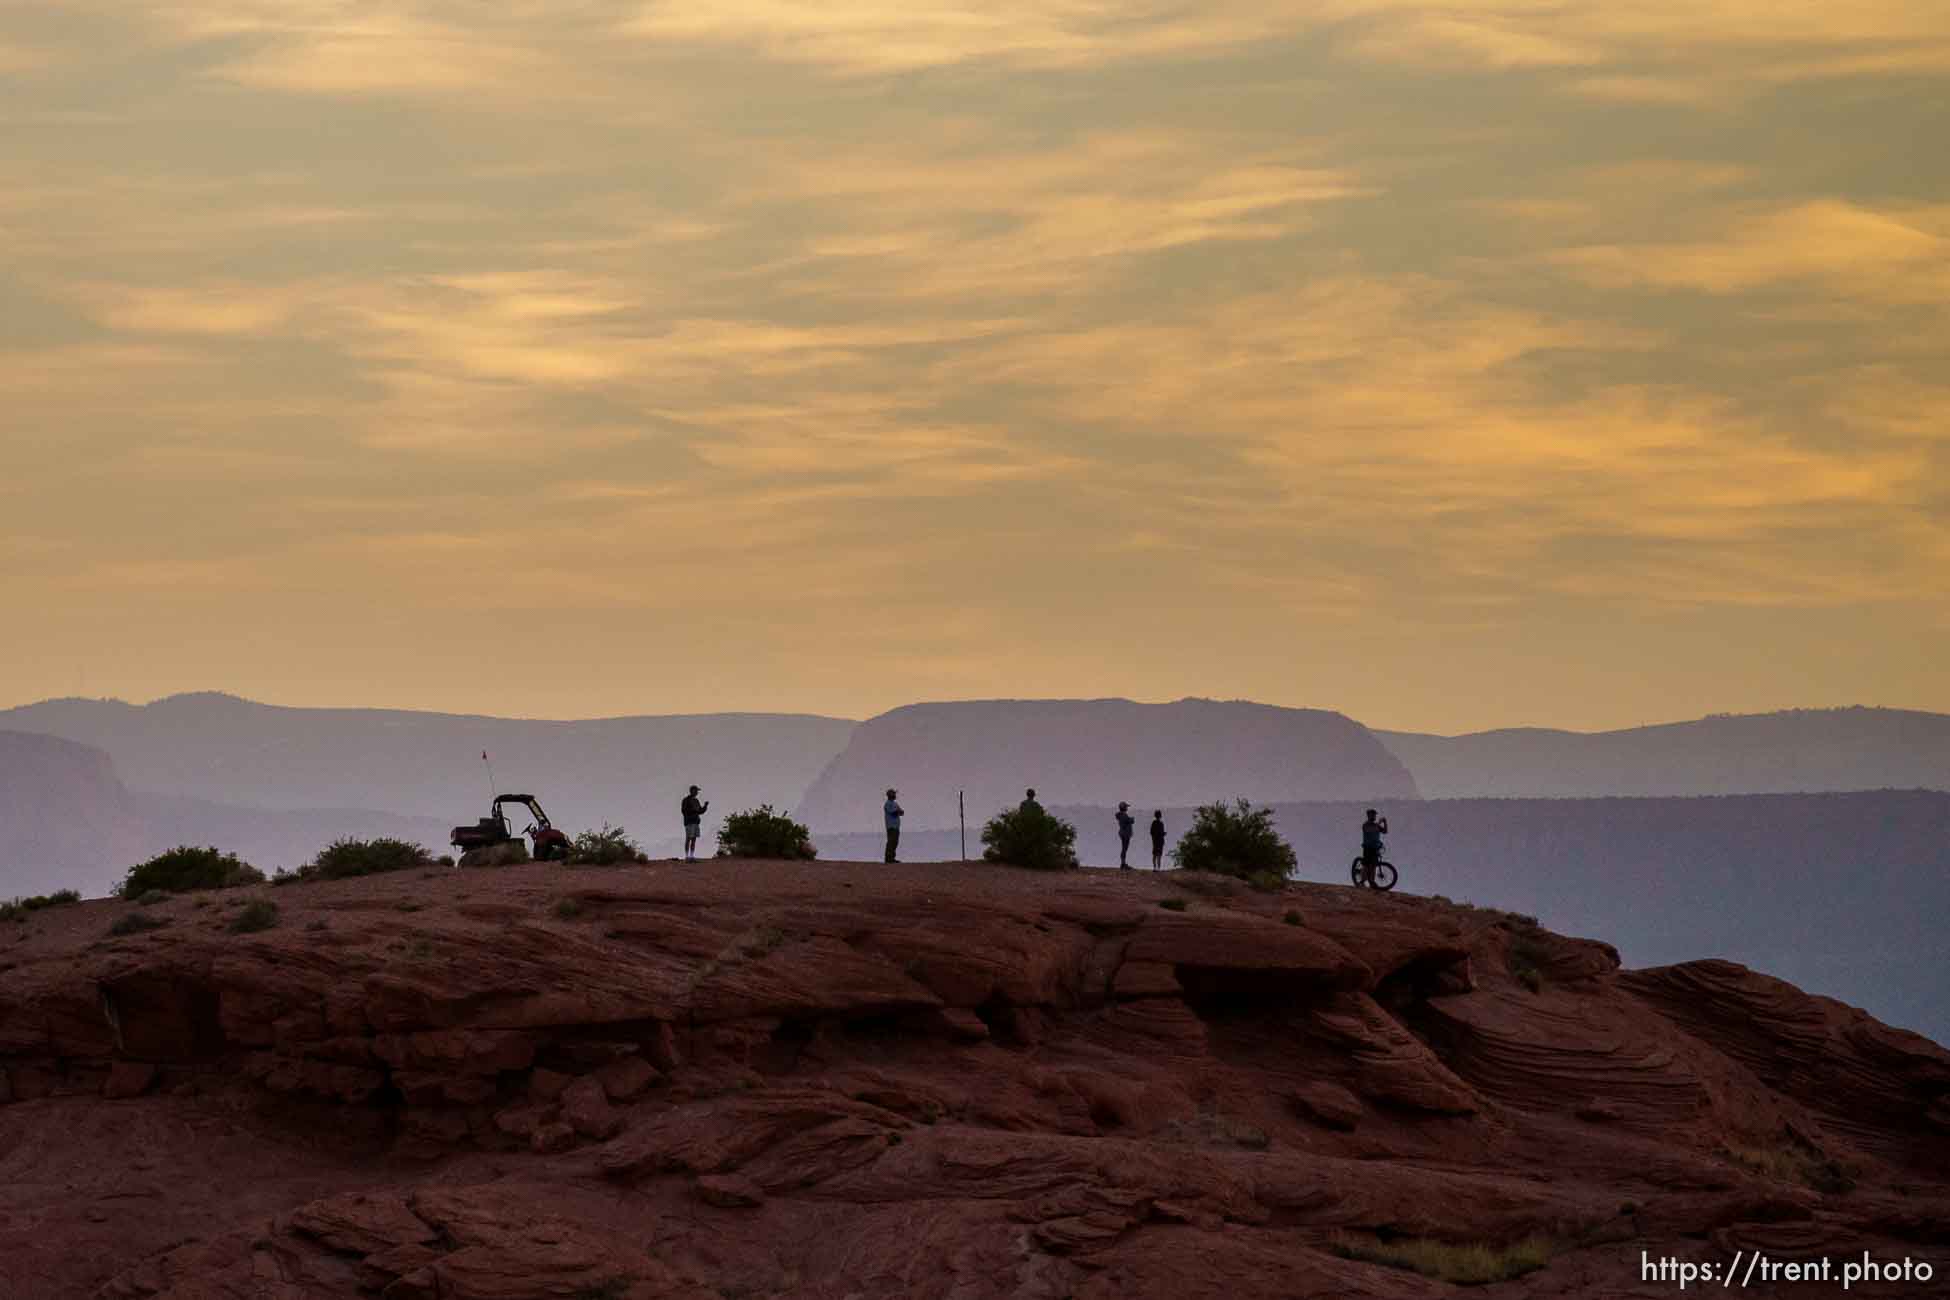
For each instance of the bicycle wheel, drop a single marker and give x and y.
(1384, 876)
(1360, 875)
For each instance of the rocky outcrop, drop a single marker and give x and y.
(832, 1080)
(1095, 752)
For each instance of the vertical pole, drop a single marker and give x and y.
(961, 807)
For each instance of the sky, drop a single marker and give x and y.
(1453, 365)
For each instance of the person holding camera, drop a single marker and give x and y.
(1371, 832)
(693, 809)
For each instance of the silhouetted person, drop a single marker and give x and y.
(894, 814)
(693, 810)
(1371, 832)
(1157, 838)
(1125, 825)
(1029, 803)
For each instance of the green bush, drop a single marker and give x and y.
(137, 922)
(17, 909)
(1526, 958)
(1235, 841)
(1029, 836)
(604, 848)
(186, 868)
(761, 833)
(345, 858)
(258, 915)
(1172, 904)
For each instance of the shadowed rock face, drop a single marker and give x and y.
(1095, 751)
(836, 1080)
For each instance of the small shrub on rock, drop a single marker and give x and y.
(348, 857)
(18, 908)
(1237, 840)
(762, 833)
(1172, 904)
(186, 868)
(257, 915)
(137, 923)
(607, 847)
(155, 896)
(1030, 836)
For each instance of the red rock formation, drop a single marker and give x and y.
(834, 1080)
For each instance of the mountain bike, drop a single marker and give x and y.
(1380, 876)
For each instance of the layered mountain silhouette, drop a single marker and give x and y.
(427, 766)
(69, 822)
(1762, 753)
(1095, 751)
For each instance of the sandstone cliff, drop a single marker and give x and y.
(833, 1080)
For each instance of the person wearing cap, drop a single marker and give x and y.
(693, 809)
(1125, 825)
(1157, 838)
(894, 813)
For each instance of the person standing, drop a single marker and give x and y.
(693, 809)
(1157, 838)
(1029, 803)
(1126, 824)
(894, 814)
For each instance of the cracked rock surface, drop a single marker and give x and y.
(839, 1080)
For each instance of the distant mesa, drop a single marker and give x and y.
(1789, 752)
(1096, 752)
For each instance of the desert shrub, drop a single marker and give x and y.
(567, 909)
(344, 858)
(762, 833)
(17, 909)
(185, 868)
(1526, 958)
(136, 923)
(1292, 917)
(1790, 1161)
(1235, 841)
(604, 848)
(155, 896)
(1172, 904)
(444, 860)
(259, 914)
(1469, 1264)
(1030, 836)
(1267, 882)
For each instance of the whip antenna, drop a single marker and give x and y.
(493, 789)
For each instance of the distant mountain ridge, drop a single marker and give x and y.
(627, 771)
(1095, 751)
(1795, 751)
(67, 821)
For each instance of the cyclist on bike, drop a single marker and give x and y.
(1371, 832)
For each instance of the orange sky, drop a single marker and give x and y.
(1454, 365)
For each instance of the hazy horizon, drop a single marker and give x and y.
(1453, 368)
(7, 706)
